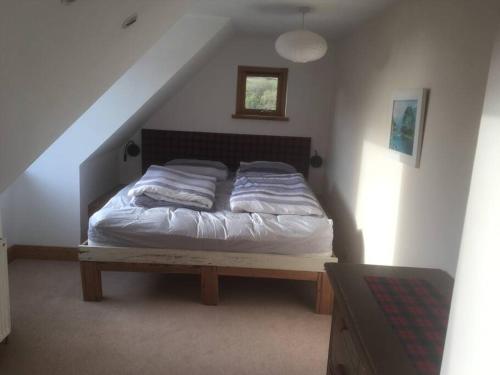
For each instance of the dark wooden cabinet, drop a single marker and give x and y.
(344, 356)
(362, 341)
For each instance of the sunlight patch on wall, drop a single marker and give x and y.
(377, 207)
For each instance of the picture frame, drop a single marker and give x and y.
(407, 125)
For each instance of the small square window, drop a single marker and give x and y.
(261, 93)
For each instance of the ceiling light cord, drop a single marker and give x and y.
(303, 10)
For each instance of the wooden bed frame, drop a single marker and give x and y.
(158, 147)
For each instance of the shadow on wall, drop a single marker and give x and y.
(348, 243)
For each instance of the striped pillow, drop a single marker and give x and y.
(267, 167)
(147, 202)
(177, 187)
(278, 194)
(203, 167)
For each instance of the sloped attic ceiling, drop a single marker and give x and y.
(52, 183)
(135, 95)
(181, 77)
(60, 59)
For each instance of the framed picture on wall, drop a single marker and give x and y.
(407, 125)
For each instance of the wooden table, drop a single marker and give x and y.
(362, 340)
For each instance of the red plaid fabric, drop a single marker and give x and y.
(419, 316)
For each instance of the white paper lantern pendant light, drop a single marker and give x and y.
(301, 46)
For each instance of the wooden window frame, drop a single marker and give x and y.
(244, 113)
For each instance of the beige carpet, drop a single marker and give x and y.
(154, 324)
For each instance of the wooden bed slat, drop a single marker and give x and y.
(204, 258)
(209, 286)
(91, 281)
(324, 294)
(145, 267)
(268, 274)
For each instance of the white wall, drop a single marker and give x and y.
(98, 175)
(387, 212)
(207, 101)
(473, 331)
(46, 204)
(6, 212)
(56, 60)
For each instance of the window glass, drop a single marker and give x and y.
(261, 93)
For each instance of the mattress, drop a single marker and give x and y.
(119, 223)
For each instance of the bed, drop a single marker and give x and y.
(212, 244)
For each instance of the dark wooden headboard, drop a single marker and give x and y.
(160, 146)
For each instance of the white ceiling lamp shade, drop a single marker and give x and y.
(301, 46)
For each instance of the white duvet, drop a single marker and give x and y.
(120, 224)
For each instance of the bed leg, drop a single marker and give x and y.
(209, 286)
(324, 295)
(91, 281)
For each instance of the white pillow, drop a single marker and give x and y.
(203, 167)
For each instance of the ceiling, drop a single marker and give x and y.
(331, 18)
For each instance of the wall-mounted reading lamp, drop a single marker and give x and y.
(132, 149)
(316, 161)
